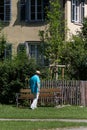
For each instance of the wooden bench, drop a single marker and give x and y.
(47, 96)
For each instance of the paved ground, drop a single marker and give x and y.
(76, 128)
(66, 120)
(80, 128)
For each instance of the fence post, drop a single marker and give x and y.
(83, 89)
(85, 84)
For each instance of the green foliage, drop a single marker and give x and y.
(45, 73)
(15, 74)
(74, 55)
(84, 28)
(2, 46)
(12, 76)
(5, 48)
(58, 112)
(53, 35)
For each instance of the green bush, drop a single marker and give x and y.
(74, 55)
(12, 76)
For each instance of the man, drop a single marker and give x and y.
(35, 88)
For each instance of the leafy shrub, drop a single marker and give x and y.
(12, 76)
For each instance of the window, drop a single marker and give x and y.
(5, 52)
(5, 10)
(77, 11)
(34, 52)
(8, 51)
(33, 10)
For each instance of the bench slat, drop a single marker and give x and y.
(46, 94)
(42, 90)
(25, 90)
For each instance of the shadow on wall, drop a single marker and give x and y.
(26, 23)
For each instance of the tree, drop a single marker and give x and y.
(74, 54)
(53, 36)
(84, 32)
(5, 48)
(2, 47)
(84, 28)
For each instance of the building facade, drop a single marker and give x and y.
(75, 11)
(23, 19)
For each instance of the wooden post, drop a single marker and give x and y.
(63, 73)
(54, 70)
(83, 93)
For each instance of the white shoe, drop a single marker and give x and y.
(33, 108)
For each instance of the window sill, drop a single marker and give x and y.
(77, 23)
(33, 23)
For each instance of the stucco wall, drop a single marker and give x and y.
(72, 27)
(17, 32)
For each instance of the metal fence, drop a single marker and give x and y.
(72, 92)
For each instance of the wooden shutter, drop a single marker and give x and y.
(82, 10)
(24, 10)
(72, 10)
(27, 11)
(7, 10)
(45, 8)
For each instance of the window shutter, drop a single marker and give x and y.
(82, 10)
(7, 10)
(27, 10)
(72, 10)
(24, 10)
(45, 7)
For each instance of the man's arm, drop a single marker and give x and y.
(38, 85)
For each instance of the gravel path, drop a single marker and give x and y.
(75, 128)
(34, 120)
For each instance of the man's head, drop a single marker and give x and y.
(38, 72)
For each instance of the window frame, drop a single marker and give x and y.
(6, 11)
(38, 55)
(36, 10)
(77, 11)
(38, 6)
(34, 52)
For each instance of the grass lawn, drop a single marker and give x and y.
(7, 111)
(14, 125)
(73, 112)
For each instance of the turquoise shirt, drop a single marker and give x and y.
(33, 83)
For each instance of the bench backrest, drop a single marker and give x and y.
(46, 95)
(43, 90)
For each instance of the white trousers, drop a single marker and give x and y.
(35, 101)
